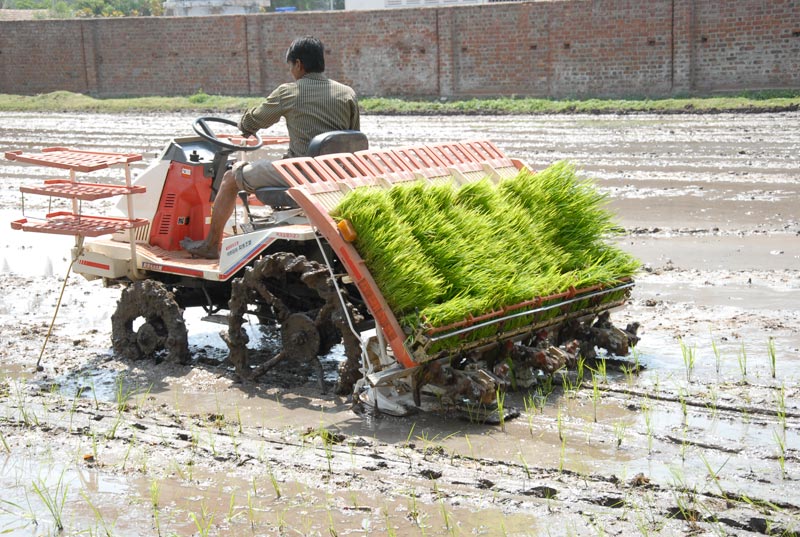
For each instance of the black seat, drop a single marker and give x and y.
(322, 144)
(337, 142)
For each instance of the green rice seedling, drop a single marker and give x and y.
(619, 431)
(5, 444)
(579, 369)
(562, 457)
(781, 443)
(780, 402)
(741, 356)
(140, 400)
(524, 464)
(212, 442)
(648, 423)
(628, 371)
(569, 384)
(684, 443)
(529, 401)
(281, 522)
(112, 432)
(391, 531)
(232, 507)
(712, 404)
(602, 370)
(688, 354)
(713, 475)
(202, 522)
(131, 443)
(274, 480)
(155, 495)
(684, 410)
(328, 446)
(21, 513)
(595, 393)
(717, 355)
(251, 515)
(107, 530)
(772, 356)
(331, 530)
(73, 409)
(94, 393)
(469, 445)
(122, 394)
(501, 415)
(446, 516)
(410, 432)
(53, 500)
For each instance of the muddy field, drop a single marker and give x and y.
(702, 440)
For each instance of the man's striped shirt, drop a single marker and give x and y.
(311, 105)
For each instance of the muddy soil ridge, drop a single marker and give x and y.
(696, 432)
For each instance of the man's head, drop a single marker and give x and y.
(309, 52)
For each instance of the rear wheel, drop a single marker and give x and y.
(148, 323)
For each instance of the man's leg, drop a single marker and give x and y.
(221, 211)
(247, 176)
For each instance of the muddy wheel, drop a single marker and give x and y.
(161, 334)
(301, 297)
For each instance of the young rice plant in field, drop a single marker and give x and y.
(53, 499)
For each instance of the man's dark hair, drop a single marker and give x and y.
(309, 51)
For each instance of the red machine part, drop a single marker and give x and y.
(184, 209)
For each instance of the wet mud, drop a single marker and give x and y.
(695, 432)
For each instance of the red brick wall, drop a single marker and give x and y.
(607, 48)
(746, 43)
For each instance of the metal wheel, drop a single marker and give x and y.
(299, 295)
(161, 335)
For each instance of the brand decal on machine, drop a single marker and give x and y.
(186, 171)
(152, 266)
(237, 247)
(183, 220)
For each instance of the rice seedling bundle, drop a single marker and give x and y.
(442, 253)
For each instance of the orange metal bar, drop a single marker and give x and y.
(303, 170)
(346, 165)
(420, 157)
(70, 159)
(453, 153)
(64, 188)
(383, 161)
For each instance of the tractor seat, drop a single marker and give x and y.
(322, 144)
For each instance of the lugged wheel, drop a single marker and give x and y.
(299, 294)
(162, 335)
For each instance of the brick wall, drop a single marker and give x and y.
(606, 48)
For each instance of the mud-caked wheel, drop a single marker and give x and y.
(310, 326)
(148, 323)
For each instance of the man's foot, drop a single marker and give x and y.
(200, 249)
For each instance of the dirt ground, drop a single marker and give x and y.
(703, 440)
